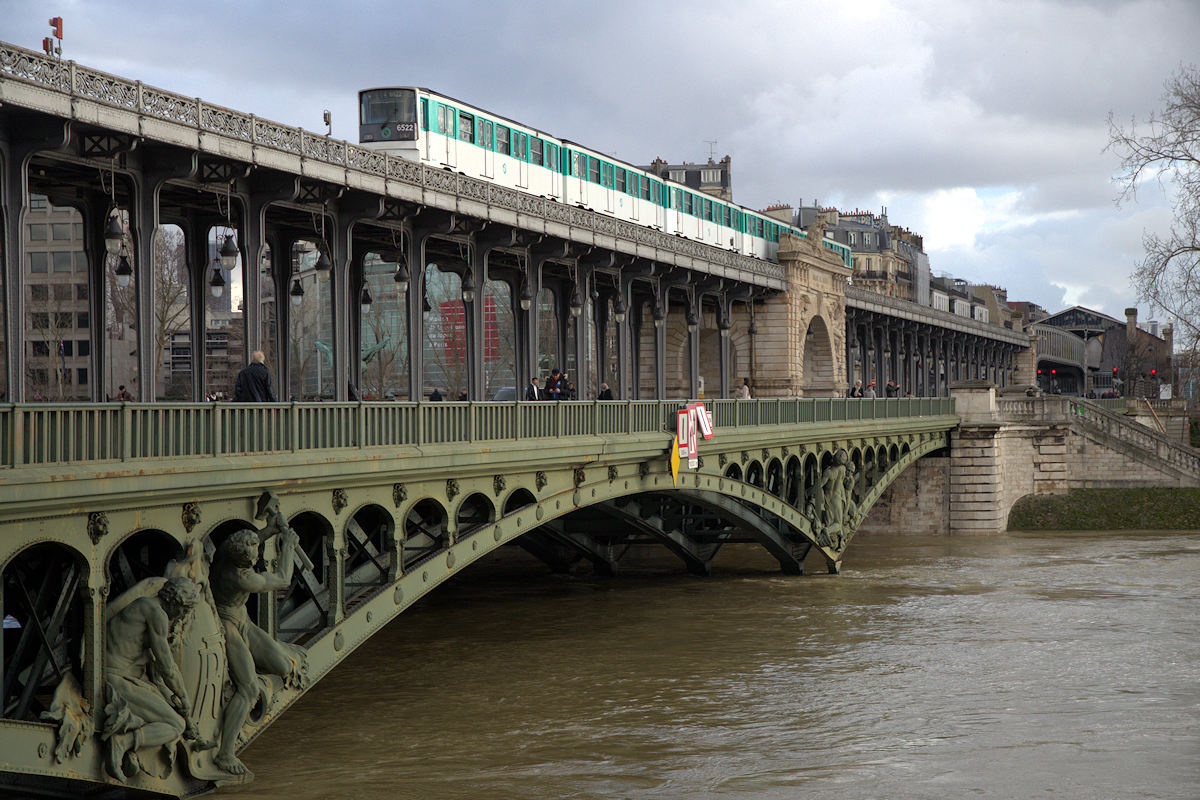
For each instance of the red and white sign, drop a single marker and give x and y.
(704, 420)
(681, 435)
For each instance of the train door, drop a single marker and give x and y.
(579, 168)
(484, 128)
(737, 242)
(554, 168)
(633, 191)
(445, 151)
(521, 154)
(606, 171)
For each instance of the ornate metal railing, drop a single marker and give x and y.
(38, 434)
(112, 90)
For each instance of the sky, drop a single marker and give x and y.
(980, 124)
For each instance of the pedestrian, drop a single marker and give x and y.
(435, 396)
(892, 389)
(462, 396)
(855, 390)
(122, 395)
(534, 392)
(554, 384)
(570, 392)
(869, 392)
(743, 391)
(605, 392)
(254, 381)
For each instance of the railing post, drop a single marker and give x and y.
(294, 427)
(126, 432)
(18, 436)
(218, 419)
(471, 409)
(362, 424)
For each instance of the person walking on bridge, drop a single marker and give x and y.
(254, 382)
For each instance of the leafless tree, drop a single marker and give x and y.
(1166, 148)
(171, 308)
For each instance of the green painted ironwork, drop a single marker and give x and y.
(38, 434)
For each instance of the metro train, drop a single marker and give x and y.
(421, 125)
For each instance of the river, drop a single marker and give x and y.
(1061, 665)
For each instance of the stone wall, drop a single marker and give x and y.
(917, 502)
(994, 462)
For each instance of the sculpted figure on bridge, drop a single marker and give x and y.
(249, 649)
(147, 701)
(836, 513)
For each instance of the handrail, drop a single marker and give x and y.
(38, 434)
(1121, 427)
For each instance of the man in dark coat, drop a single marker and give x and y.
(254, 382)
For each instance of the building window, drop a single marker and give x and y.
(62, 320)
(41, 349)
(62, 262)
(710, 176)
(37, 233)
(676, 175)
(39, 320)
(37, 202)
(61, 231)
(81, 320)
(39, 292)
(83, 347)
(81, 291)
(81, 376)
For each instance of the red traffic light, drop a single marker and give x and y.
(1114, 370)
(1039, 372)
(1053, 372)
(56, 23)
(1153, 372)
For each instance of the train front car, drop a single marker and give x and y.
(387, 121)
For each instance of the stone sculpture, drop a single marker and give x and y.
(73, 713)
(250, 650)
(147, 704)
(834, 513)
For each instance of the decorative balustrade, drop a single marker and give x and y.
(112, 90)
(1091, 415)
(38, 434)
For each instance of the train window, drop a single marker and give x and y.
(677, 199)
(485, 133)
(388, 106)
(502, 140)
(536, 156)
(551, 156)
(708, 210)
(578, 164)
(521, 145)
(593, 170)
(687, 202)
(424, 113)
(620, 180)
(441, 118)
(466, 127)
(655, 192)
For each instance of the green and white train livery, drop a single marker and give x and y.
(420, 125)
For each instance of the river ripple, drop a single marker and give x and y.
(1049, 665)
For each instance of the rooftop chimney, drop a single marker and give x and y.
(1131, 325)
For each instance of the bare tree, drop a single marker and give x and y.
(171, 309)
(1167, 148)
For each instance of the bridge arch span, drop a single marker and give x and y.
(818, 369)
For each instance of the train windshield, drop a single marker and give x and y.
(381, 106)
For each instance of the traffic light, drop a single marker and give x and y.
(1153, 372)
(1039, 372)
(56, 24)
(1053, 372)
(1114, 370)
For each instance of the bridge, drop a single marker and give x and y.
(130, 532)
(102, 500)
